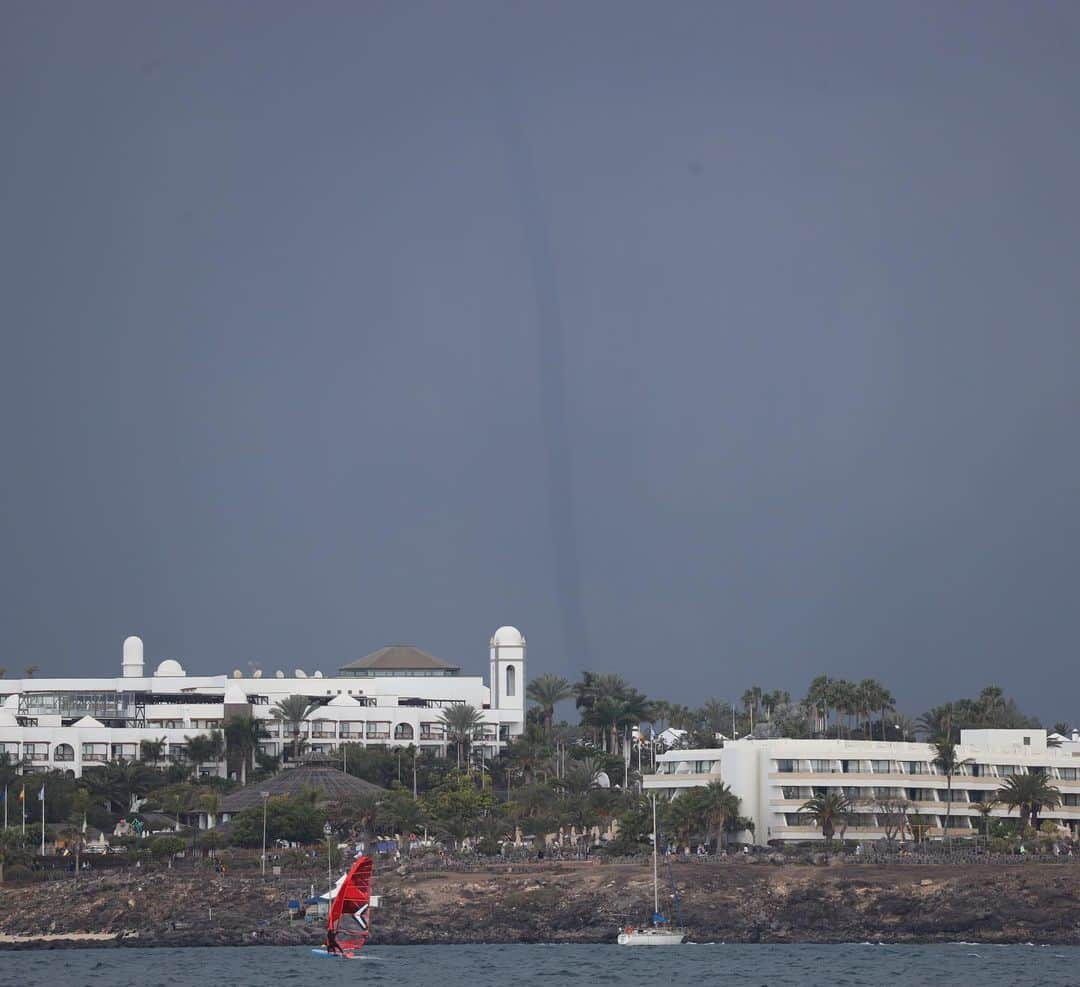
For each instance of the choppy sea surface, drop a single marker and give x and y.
(551, 966)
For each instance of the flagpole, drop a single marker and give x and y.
(42, 794)
(5, 806)
(22, 802)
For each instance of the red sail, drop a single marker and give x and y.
(350, 911)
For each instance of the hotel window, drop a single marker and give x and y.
(785, 766)
(379, 730)
(1067, 774)
(36, 752)
(1007, 770)
(511, 678)
(819, 766)
(881, 767)
(95, 752)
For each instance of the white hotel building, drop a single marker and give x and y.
(774, 778)
(392, 698)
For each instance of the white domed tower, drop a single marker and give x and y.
(133, 658)
(508, 669)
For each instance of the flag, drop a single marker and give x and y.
(22, 794)
(3, 794)
(41, 794)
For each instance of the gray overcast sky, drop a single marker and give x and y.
(715, 344)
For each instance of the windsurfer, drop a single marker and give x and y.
(332, 943)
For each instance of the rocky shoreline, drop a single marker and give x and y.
(562, 902)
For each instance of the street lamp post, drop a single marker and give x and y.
(266, 801)
(328, 830)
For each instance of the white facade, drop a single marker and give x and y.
(774, 778)
(74, 724)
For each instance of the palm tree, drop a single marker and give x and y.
(152, 750)
(992, 703)
(662, 712)
(461, 723)
(778, 697)
(949, 762)
(874, 698)
(205, 747)
(845, 697)
(938, 722)
(175, 800)
(681, 816)
(719, 807)
(30, 671)
(3, 672)
(819, 698)
(716, 717)
(292, 711)
(751, 700)
(526, 754)
(985, 807)
(242, 736)
(884, 702)
(547, 691)
(210, 803)
(826, 811)
(583, 776)
(121, 783)
(1030, 794)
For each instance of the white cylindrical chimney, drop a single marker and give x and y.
(133, 658)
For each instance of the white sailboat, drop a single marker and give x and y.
(660, 932)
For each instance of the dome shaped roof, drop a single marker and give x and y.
(169, 667)
(508, 637)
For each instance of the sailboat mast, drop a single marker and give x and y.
(655, 882)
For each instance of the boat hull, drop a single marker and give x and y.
(652, 937)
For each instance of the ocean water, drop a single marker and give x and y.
(551, 966)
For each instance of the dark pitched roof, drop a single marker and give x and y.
(401, 657)
(334, 784)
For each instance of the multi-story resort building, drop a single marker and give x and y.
(775, 778)
(392, 698)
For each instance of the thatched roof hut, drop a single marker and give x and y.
(335, 785)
